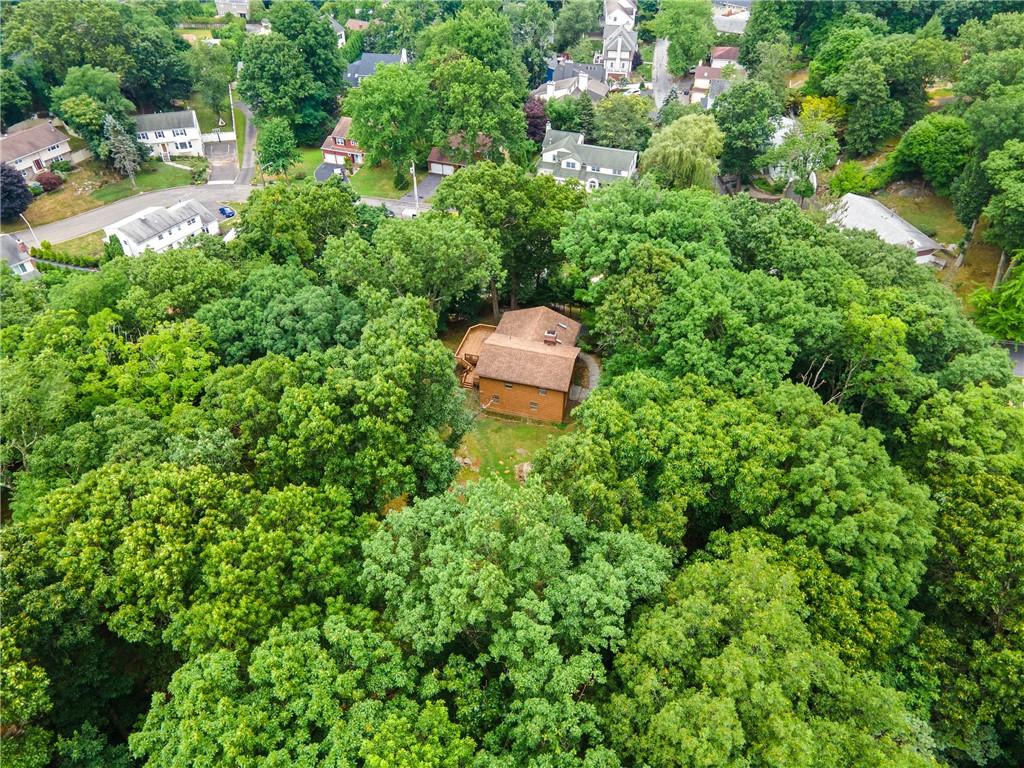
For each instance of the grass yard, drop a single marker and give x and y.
(206, 116)
(240, 134)
(979, 268)
(86, 245)
(154, 175)
(379, 181)
(644, 71)
(76, 143)
(927, 211)
(309, 159)
(495, 445)
(194, 35)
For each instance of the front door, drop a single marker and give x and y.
(37, 164)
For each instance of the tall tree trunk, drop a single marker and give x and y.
(494, 299)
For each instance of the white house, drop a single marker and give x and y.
(858, 212)
(617, 51)
(32, 150)
(16, 256)
(565, 156)
(620, 13)
(580, 83)
(159, 229)
(170, 133)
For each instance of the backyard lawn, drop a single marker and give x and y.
(86, 245)
(495, 445)
(206, 116)
(379, 181)
(193, 35)
(929, 212)
(309, 159)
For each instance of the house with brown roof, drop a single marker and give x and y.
(447, 161)
(339, 146)
(32, 150)
(524, 366)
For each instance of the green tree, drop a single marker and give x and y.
(810, 146)
(746, 113)
(532, 24)
(623, 121)
(1004, 170)
(685, 153)
(572, 113)
(839, 49)
(872, 114)
(17, 101)
(542, 596)
(937, 147)
(480, 33)
(16, 195)
(436, 256)
(743, 616)
(775, 65)
(576, 20)
(390, 113)
(429, 740)
(766, 22)
(1001, 311)
(276, 151)
(99, 84)
(687, 26)
(276, 82)
(521, 213)
(212, 70)
(122, 150)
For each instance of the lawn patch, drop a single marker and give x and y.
(90, 245)
(240, 134)
(379, 181)
(154, 175)
(494, 445)
(929, 212)
(979, 268)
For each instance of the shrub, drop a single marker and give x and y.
(299, 175)
(35, 188)
(60, 166)
(49, 181)
(854, 177)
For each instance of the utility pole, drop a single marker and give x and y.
(34, 235)
(415, 187)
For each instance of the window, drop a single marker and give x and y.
(339, 141)
(178, 132)
(53, 147)
(508, 385)
(158, 134)
(184, 145)
(541, 391)
(21, 269)
(570, 164)
(143, 135)
(191, 221)
(160, 236)
(534, 406)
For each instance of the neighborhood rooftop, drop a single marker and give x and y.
(15, 145)
(532, 363)
(152, 221)
(166, 121)
(858, 212)
(590, 154)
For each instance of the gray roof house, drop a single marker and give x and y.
(617, 49)
(565, 156)
(16, 256)
(562, 70)
(157, 228)
(367, 64)
(858, 212)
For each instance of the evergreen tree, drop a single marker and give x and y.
(122, 150)
(16, 196)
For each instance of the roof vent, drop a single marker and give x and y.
(550, 337)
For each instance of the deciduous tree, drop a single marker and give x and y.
(685, 153)
(687, 26)
(746, 114)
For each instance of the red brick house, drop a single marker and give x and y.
(339, 146)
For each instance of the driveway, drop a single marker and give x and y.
(1016, 357)
(659, 73)
(426, 188)
(249, 152)
(223, 161)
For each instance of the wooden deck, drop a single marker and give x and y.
(468, 353)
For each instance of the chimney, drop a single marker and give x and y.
(584, 81)
(551, 337)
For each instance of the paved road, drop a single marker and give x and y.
(249, 152)
(211, 195)
(659, 73)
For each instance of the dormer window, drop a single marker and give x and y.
(570, 164)
(339, 141)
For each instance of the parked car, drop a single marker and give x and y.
(226, 211)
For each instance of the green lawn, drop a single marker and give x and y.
(379, 181)
(309, 159)
(495, 445)
(76, 143)
(927, 211)
(240, 134)
(194, 35)
(86, 245)
(979, 268)
(206, 116)
(154, 175)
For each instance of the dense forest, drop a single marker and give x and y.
(785, 531)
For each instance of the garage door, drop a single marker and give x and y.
(436, 168)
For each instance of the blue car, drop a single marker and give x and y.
(226, 212)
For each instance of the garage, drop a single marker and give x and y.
(442, 169)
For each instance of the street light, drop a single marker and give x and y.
(38, 244)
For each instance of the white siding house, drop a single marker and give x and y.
(565, 156)
(31, 151)
(159, 229)
(617, 53)
(619, 13)
(168, 134)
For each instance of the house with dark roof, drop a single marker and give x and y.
(16, 257)
(560, 69)
(865, 213)
(525, 365)
(565, 156)
(32, 150)
(159, 229)
(340, 146)
(168, 134)
(367, 64)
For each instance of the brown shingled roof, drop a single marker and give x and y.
(30, 140)
(530, 324)
(532, 363)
